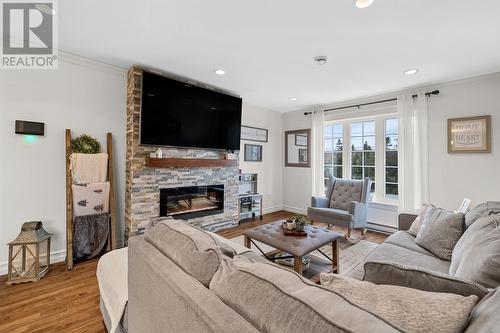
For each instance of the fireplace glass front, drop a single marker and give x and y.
(192, 201)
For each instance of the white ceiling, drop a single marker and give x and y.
(267, 47)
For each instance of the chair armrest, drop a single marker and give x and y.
(359, 212)
(405, 221)
(356, 208)
(320, 202)
(391, 273)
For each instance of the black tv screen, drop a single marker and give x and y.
(175, 113)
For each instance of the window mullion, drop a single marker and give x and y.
(346, 155)
(379, 159)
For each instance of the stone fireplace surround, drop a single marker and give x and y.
(143, 184)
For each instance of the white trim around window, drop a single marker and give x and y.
(379, 196)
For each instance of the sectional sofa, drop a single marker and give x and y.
(182, 279)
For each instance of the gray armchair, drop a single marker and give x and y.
(345, 205)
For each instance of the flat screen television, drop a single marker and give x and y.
(175, 113)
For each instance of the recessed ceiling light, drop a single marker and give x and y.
(45, 9)
(411, 71)
(220, 72)
(363, 3)
(320, 60)
(293, 99)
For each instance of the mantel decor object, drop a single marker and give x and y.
(29, 254)
(469, 135)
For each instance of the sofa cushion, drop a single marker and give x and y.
(195, 251)
(481, 210)
(345, 191)
(407, 309)
(476, 256)
(383, 272)
(417, 223)
(406, 240)
(441, 229)
(485, 316)
(276, 300)
(400, 255)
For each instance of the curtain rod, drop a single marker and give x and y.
(428, 94)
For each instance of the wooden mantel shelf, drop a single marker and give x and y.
(188, 162)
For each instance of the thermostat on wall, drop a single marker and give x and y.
(30, 127)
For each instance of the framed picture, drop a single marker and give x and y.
(301, 140)
(302, 156)
(254, 134)
(469, 135)
(253, 153)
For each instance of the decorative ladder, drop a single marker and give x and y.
(69, 200)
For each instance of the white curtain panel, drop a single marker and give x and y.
(414, 152)
(317, 157)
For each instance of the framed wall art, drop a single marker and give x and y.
(469, 135)
(253, 153)
(254, 134)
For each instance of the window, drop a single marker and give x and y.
(365, 147)
(363, 151)
(333, 148)
(391, 158)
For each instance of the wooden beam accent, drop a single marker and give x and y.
(69, 205)
(188, 162)
(112, 203)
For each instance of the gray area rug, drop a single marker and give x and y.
(352, 256)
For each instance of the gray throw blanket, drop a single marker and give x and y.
(90, 234)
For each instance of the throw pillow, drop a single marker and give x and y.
(476, 256)
(409, 310)
(417, 224)
(391, 273)
(441, 229)
(481, 210)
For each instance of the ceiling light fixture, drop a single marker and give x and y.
(363, 3)
(411, 71)
(220, 72)
(293, 99)
(320, 60)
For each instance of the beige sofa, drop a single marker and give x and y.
(171, 289)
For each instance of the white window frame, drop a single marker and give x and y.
(379, 195)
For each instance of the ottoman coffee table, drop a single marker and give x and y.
(272, 234)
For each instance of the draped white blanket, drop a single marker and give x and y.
(89, 168)
(113, 284)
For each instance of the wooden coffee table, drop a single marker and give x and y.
(272, 235)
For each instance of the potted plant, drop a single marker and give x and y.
(300, 221)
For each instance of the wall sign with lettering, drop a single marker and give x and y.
(254, 134)
(469, 135)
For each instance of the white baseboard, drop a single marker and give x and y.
(273, 209)
(295, 210)
(381, 228)
(56, 256)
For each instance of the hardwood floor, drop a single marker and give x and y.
(68, 301)
(63, 301)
